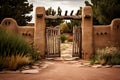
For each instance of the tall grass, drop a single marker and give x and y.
(13, 44)
(14, 50)
(14, 62)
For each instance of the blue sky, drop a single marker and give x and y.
(63, 4)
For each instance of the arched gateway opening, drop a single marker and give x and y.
(47, 39)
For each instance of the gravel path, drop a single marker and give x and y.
(66, 49)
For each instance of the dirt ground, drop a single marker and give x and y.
(67, 70)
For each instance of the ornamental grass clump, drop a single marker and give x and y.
(14, 62)
(14, 50)
(109, 55)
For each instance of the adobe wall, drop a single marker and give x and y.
(39, 34)
(87, 32)
(102, 36)
(115, 32)
(107, 35)
(93, 36)
(26, 31)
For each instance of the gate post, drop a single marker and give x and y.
(87, 32)
(39, 33)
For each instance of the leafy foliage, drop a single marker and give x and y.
(63, 38)
(16, 9)
(104, 11)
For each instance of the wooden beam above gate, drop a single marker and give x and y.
(74, 17)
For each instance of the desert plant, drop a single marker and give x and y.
(109, 56)
(63, 38)
(12, 44)
(14, 50)
(13, 62)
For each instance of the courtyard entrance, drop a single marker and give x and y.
(55, 48)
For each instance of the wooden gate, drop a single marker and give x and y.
(77, 38)
(52, 42)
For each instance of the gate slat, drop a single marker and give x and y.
(76, 42)
(52, 42)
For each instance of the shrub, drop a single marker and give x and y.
(63, 38)
(14, 50)
(109, 56)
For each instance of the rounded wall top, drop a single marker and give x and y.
(115, 24)
(8, 22)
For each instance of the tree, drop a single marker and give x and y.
(52, 12)
(16, 9)
(105, 10)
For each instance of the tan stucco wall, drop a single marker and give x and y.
(115, 32)
(93, 36)
(39, 39)
(102, 36)
(10, 24)
(87, 32)
(107, 35)
(26, 31)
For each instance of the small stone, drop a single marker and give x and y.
(32, 71)
(49, 63)
(36, 64)
(12, 72)
(81, 66)
(26, 67)
(35, 67)
(86, 64)
(70, 58)
(2, 72)
(107, 66)
(49, 58)
(116, 66)
(44, 66)
(97, 66)
(40, 62)
(58, 59)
